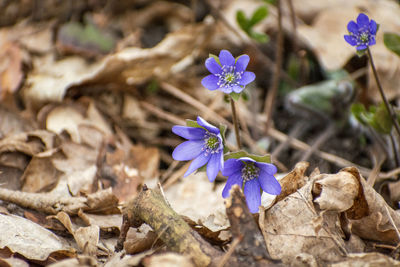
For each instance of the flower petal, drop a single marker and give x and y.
(267, 167)
(247, 77)
(213, 166)
(191, 133)
(203, 123)
(352, 27)
(373, 27)
(226, 58)
(269, 184)
(188, 150)
(253, 195)
(232, 180)
(210, 82)
(242, 62)
(351, 39)
(226, 89)
(232, 166)
(198, 162)
(372, 41)
(213, 66)
(237, 88)
(362, 47)
(362, 21)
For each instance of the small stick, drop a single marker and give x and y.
(270, 99)
(231, 250)
(329, 131)
(235, 123)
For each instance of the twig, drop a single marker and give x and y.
(235, 123)
(151, 208)
(231, 250)
(329, 131)
(271, 96)
(294, 26)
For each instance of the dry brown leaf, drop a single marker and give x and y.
(376, 226)
(107, 223)
(293, 180)
(79, 261)
(293, 228)
(336, 192)
(367, 260)
(11, 73)
(13, 262)
(168, 260)
(189, 194)
(50, 78)
(32, 241)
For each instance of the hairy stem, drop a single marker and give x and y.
(235, 123)
(385, 101)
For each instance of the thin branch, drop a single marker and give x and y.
(271, 96)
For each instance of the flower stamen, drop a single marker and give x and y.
(250, 171)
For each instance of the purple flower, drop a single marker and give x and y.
(204, 146)
(254, 175)
(228, 75)
(361, 34)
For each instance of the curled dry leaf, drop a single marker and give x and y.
(32, 241)
(336, 192)
(376, 225)
(294, 227)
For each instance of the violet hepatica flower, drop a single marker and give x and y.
(361, 34)
(204, 146)
(254, 175)
(229, 75)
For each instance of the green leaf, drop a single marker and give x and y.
(243, 154)
(242, 20)
(258, 15)
(358, 109)
(382, 121)
(235, 96)
(215, 57)
(222, 130)
(377, 117)
(259, 37)
(192, 123)
(245, 95)
(392, 42)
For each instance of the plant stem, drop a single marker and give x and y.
(235, 123)
(270, 99)
(385, 101)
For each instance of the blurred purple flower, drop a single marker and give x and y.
(204, 146)
(361, 34)
(228, 76)
(254, 175)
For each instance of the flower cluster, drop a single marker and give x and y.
(361, 33)
(205, 142)
(205, 147)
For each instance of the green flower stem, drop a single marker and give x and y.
(385, 101)
(235, 123)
